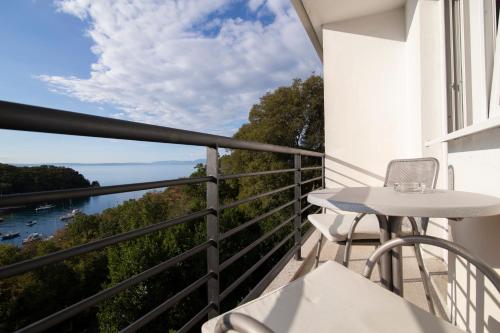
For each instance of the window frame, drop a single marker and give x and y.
(472, 61)
(494, 96)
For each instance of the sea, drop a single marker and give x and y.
(49, 221)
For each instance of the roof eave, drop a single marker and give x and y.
(306, 22)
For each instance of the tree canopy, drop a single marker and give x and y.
(14, 179)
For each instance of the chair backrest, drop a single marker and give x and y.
(489, 272)
(421, 170)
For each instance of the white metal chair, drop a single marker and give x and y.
(335, 299)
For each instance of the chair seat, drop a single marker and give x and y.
(333, 299)
(335, 227)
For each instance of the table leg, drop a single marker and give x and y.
(397, 256)
(385, 261)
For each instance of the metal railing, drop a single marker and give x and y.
(37, 119)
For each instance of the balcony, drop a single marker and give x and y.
(282, 253)
(275, 247)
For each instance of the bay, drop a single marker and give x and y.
(49, 221)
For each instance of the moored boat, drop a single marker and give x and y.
(31, 223)
(71, 215)
(10, 235)
(44, 207)
(32, 238)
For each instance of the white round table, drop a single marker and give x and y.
(391, 206)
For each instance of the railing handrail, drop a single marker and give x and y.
(23, 117)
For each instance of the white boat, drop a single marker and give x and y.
(10, 235)
(44, 207)
(31, 223)
(71, 215)
(32, 238)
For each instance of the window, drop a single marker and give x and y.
(473, 61)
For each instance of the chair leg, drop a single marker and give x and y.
(318, 250)
(347, 252)
(421, 267)
(424, 276)
(348, 242)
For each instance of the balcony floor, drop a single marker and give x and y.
(413, 288)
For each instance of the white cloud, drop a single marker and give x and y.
(186, 63)
(255, 4)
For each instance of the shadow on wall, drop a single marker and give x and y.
(467, 294)
(367, 175)
(469, 298)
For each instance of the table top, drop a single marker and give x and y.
(387, 201)
(332, 298)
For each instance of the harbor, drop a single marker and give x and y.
(17, 223)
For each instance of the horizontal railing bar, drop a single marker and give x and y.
(151, 315)
(247, 273)
(311, 180)
(305, 195)
(254, 220)
(33, 197)
(264, 282)
(31, 264)
(307, 220)
(24, 117)
(311, 168)
(251, 174)
(255, 197)
(306, 208)
(196, 319)
(72, 310)
(255, 243)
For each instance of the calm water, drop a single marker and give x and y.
(48, 221)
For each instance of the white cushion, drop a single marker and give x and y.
(335, 227)
(333, 299)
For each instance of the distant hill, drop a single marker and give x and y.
(169, 162)
(16, 179)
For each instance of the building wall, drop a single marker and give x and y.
(366, 120)
(385, 96)
(476, 163)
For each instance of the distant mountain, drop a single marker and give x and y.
(171, 162)
(201, 160)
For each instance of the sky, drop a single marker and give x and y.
(191, 64)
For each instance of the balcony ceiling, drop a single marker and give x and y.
(315, 13)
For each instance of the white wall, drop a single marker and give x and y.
(476, 162)
(366, 121)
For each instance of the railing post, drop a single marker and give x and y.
(297, 205)
(323, 171)
(213, 229)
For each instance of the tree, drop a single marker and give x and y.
(15, 179)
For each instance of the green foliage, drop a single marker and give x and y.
(290, 116)
(40, 178)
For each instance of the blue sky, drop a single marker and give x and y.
(192, 64)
